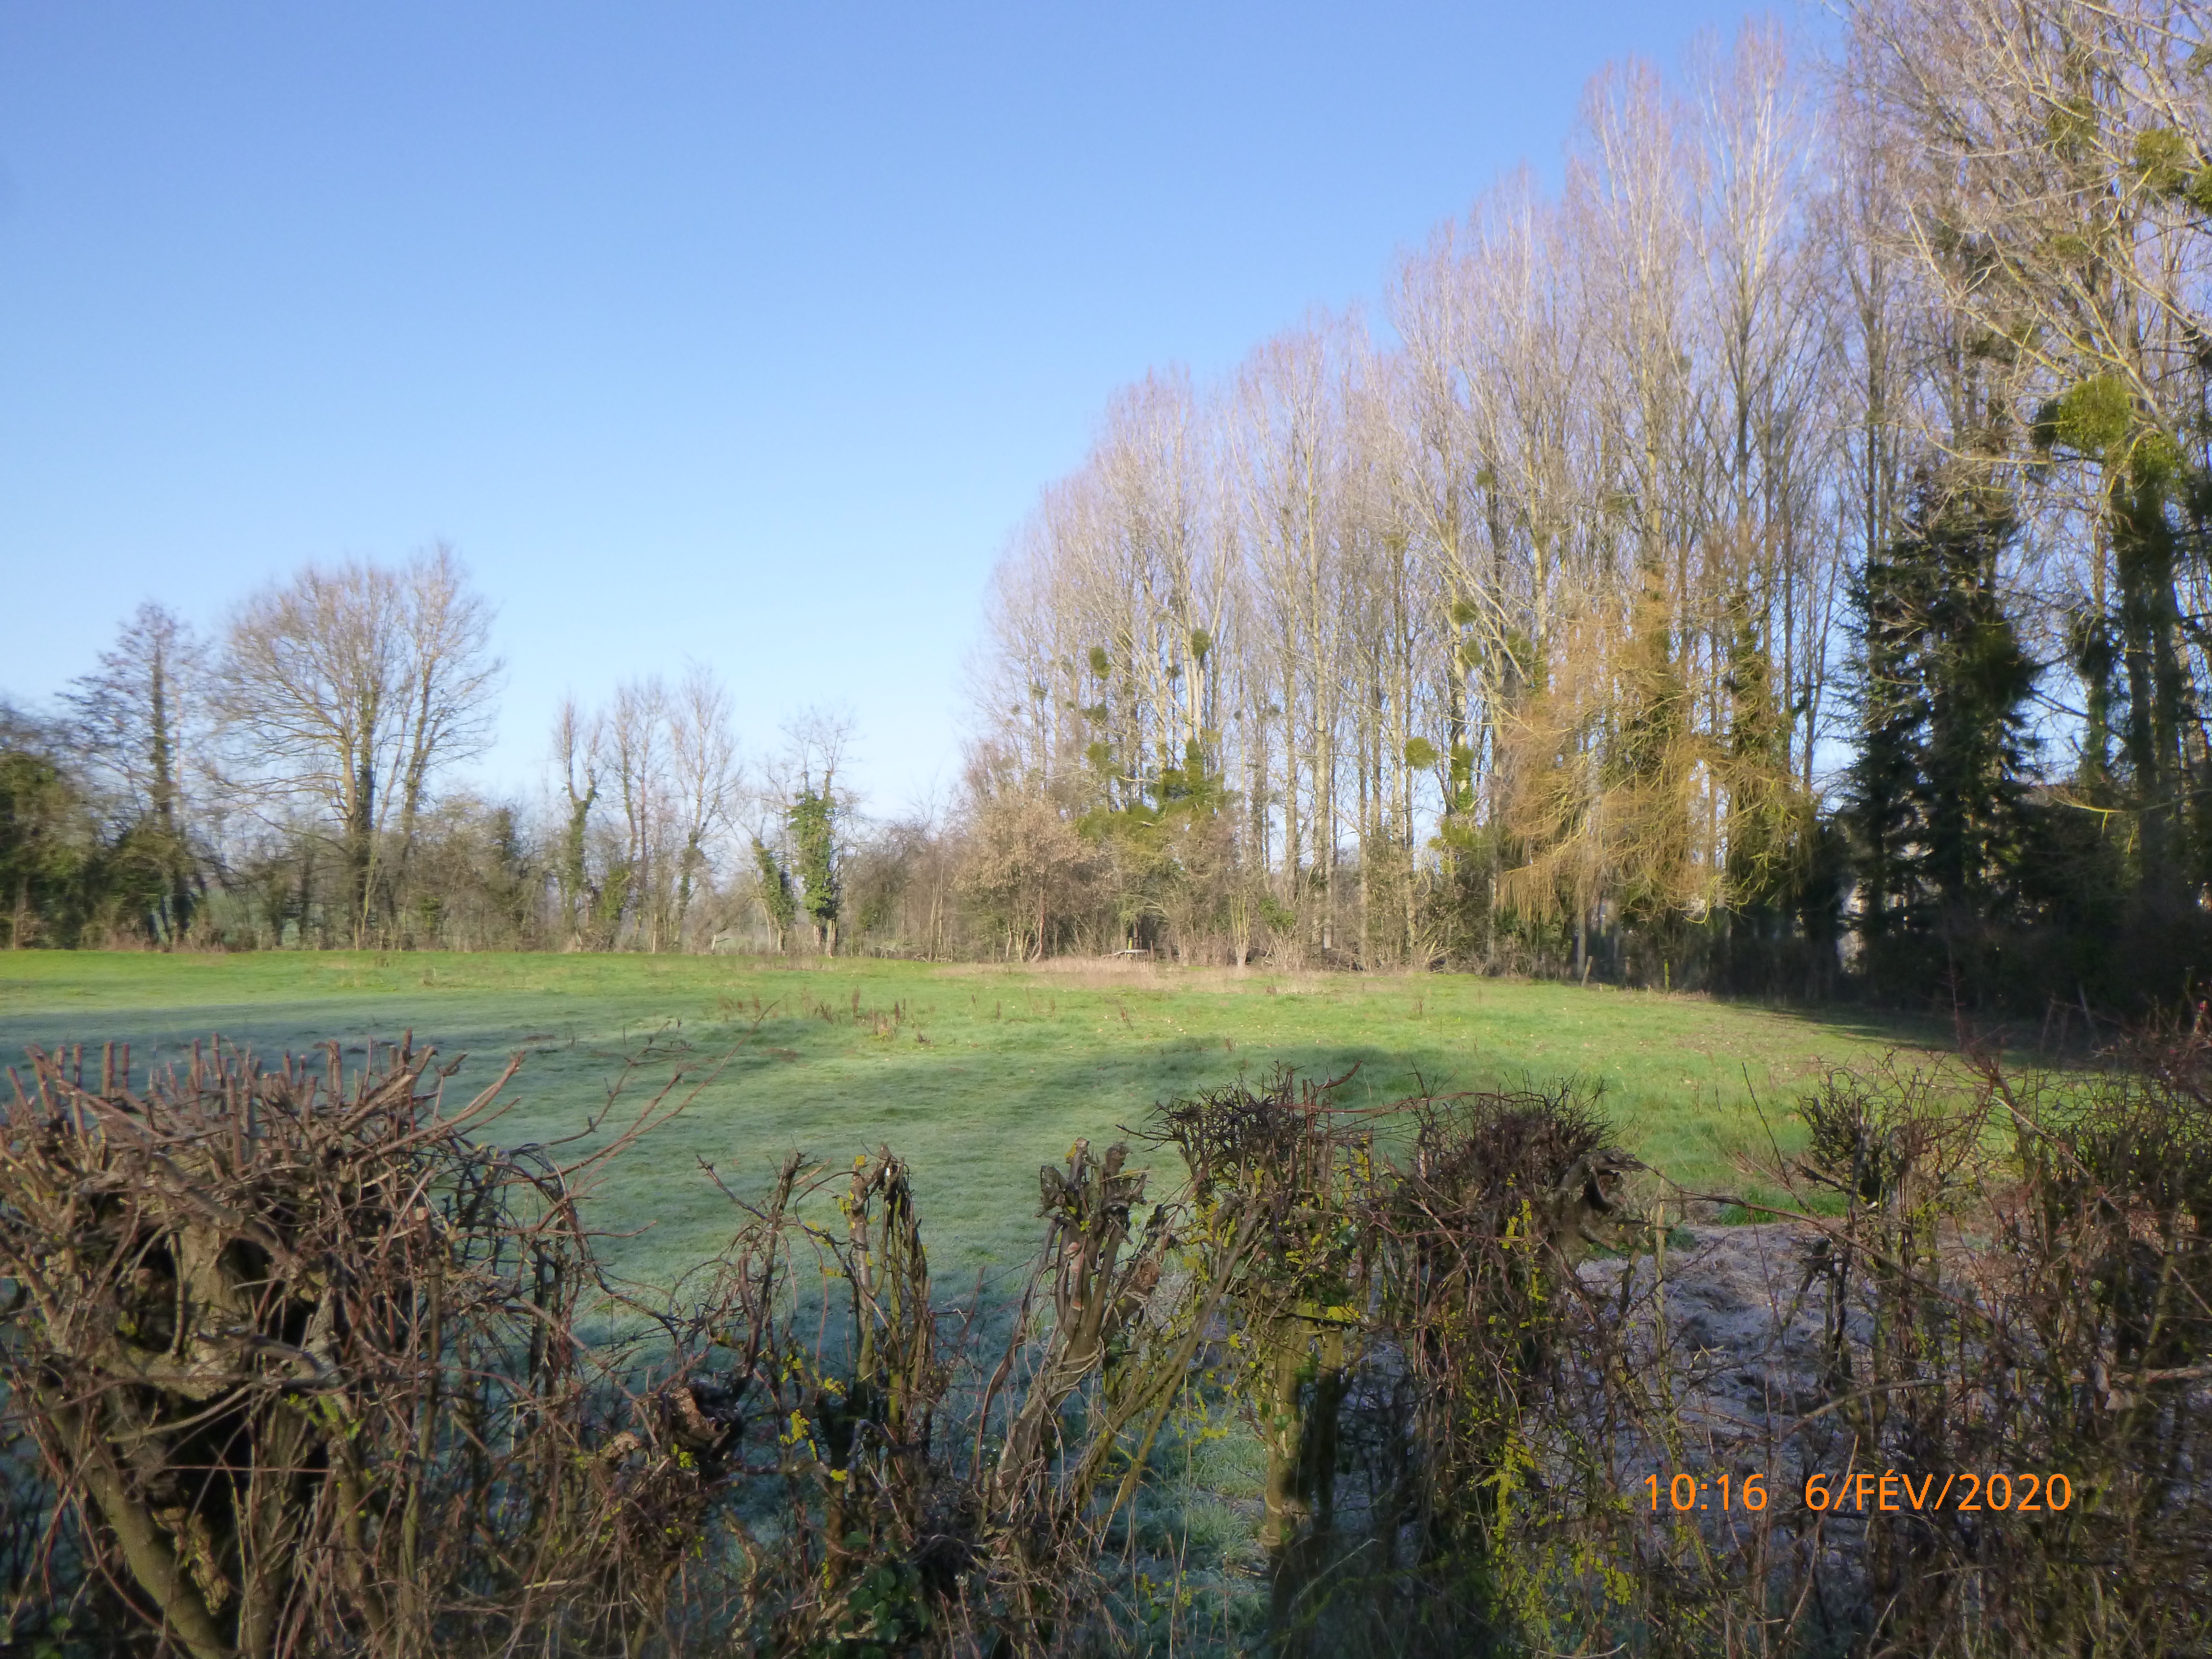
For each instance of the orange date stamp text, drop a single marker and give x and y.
(1869, 1491)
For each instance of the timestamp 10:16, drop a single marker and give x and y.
(1685, 1492)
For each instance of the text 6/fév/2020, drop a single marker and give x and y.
(1867, 1492)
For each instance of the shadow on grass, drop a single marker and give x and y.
(979, 1078)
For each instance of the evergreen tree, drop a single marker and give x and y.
(2127, 644)
(1938, 804)
(50, 851)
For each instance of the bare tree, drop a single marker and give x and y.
(137, 719)
(576, 756)
(451, 676)
(705, 777)
(637, 749)
(1289, 458)
(349, 688)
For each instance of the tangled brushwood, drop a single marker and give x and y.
(300, 1362)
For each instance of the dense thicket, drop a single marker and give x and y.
(1774, 560)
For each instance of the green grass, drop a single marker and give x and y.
(985, 1072)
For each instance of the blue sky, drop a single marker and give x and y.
(734, 332)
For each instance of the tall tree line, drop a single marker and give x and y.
(297, 781)
(280, 781)
(294, 781)
(1499, 629)
(1779, 550)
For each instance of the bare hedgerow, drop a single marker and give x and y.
(2020, 1283)
(307, 1367)
(1409, 1318)
(303, 1358)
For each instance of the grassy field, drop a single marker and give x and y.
(976, 1074)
